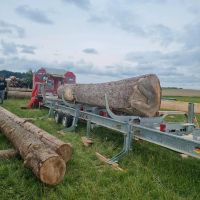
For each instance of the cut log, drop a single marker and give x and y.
(47, 165)
(61, 148)
(9, 153)
(136, 96)
(14, 117)
(19, 94)
(19, 89)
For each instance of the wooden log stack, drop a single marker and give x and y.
(135, 96)
(19, 89)
(43, 153)
(18, 93)
(15, 82)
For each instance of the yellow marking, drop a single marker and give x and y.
(197, 150)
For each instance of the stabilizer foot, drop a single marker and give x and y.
(86, 142)
(105, 160)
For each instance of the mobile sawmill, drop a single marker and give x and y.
(130, 107)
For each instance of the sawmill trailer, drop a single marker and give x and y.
(181, 137)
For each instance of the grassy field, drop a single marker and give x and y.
(180, 92)
(185, 99)
(152, 172)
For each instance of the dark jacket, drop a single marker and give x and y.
(2, 84)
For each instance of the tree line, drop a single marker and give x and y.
(25, 77)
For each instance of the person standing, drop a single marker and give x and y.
(2, 89)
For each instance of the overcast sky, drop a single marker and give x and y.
(104, 40)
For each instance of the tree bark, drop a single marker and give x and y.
(47, 165)
(19, 94)
(8, 153)
(136, 96)
(19, 89)
(61, 148)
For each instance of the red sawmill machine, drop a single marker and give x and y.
(129, 106)
(46, 82)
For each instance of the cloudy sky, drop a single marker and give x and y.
(104, 40)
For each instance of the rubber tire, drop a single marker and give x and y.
(67, 120)
(57, 117)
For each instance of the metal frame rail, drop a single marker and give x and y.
(180, 137)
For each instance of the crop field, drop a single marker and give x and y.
(150, 171)
(191, 99)
(180, 92)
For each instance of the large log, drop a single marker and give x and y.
(18, 94)
(8, 153)
(47, 165)
(136, 96)
(19, 89)
(61, 148)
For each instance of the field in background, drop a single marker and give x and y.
(180, 92)
(191, 99)
(152, 172)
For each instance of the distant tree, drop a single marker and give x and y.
(7, 74)
(28, 79)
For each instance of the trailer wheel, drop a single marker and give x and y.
(57, 117)
(67, 120)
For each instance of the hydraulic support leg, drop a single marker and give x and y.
(126, 146)
(51, 111)
(88, 135)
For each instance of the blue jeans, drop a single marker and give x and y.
(2, 93)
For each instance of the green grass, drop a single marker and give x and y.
(152, 172)
(185, 99)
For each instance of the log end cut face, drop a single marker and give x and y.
(65, 151)
(52, 170)
(146, 97)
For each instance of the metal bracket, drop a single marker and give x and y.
(42, 86)
(118, 117)
(75, 118)
(74, 123)
(50, 113)
(126, 146)
(88, 129)
(71, 105)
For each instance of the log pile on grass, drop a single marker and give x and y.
(43, 153)
(18, 93)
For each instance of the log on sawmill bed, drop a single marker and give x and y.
(136, 96)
